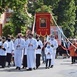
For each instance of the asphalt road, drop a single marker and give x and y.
(62, 68)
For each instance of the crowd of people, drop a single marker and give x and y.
(26, 51)
(68, 48)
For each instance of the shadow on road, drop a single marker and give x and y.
(6, 69)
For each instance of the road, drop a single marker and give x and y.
(62, 68)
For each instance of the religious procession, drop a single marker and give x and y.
(28, 52)
(38, 38)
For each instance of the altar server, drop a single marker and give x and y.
(38, 51)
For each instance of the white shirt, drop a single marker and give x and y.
(40, 43)
(48, 50)
(54, 43)
(3, 52)
(10, 48)
(38, 51)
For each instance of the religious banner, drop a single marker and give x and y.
(0, 29)
(57, 33)
(43, 24)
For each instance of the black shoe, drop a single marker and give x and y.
(45, 67)
(30, 69)
(51, 66)
(73, 63)
(48, 67)
(9, 65)
(23, 67)
(17, 68)
(3, 66)
(34, 68)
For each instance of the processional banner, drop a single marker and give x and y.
(0, 29)
(43, 24)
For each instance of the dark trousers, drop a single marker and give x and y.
(48, 61)
(8, 58)
(37, 60)
(2, 61)
(25, 61)
(73, 59)
(43, 57)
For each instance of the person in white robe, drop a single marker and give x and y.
(3, 48)
(31, 45)
(9, 50)
(19, 46)
(48, 53)
(38, 51)
(54, 45)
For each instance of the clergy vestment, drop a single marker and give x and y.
(19, 46)
(31, 45)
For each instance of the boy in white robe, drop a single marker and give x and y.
(38, 51)
(3, 48)
(10, 50)
(54, 45)
(48, 53)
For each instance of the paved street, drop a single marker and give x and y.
(62, 68)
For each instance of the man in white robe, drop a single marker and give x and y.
(19, 45)
(31, 45)
(54, 45)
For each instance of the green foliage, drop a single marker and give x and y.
(33, 5)
(75, 32)
(13, 4)
(44, 8)
(38, 6)
(66, 16)
(23, 29)
(8, 29)
(53, 3)
(20, 19)
(65, 12)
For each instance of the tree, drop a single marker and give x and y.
(66, 16)
(75, 32)
(52, 3)
(33, 5)
(8, 29)
(13, 4)
(44, 8)
(20, 19)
